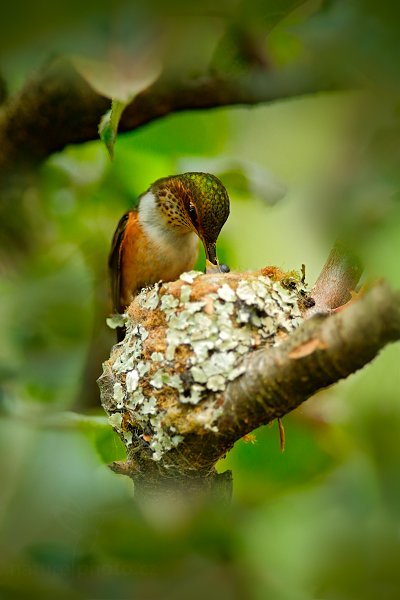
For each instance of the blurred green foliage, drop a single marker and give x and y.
(321, 520)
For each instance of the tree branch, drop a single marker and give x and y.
(58, 107)
(55, 108)
(319, 353)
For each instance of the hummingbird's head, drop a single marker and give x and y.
(194, 202)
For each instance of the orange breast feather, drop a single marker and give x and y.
(132, 257)
(142, 261)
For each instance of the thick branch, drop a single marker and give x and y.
(322, 351)
(55, 108)
(58, 107)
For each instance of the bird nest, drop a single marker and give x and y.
(186, 342)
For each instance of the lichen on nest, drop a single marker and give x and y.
(185, 342)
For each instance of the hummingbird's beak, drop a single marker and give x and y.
(211, 253)
(212, 265)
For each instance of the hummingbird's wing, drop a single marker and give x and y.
(114, 262)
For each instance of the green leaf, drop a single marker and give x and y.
(271, 13)
(119, 78)
(243, 42)
(109, 446)
(97, 429)
(70, 420)
(108, 126)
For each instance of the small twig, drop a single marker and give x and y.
(282, 437)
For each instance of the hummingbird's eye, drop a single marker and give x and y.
(193, 214)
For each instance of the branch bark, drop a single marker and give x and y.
(325, 349)
(58, 107)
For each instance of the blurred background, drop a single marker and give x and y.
(319, 521)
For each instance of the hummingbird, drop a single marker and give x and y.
(159, 239)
